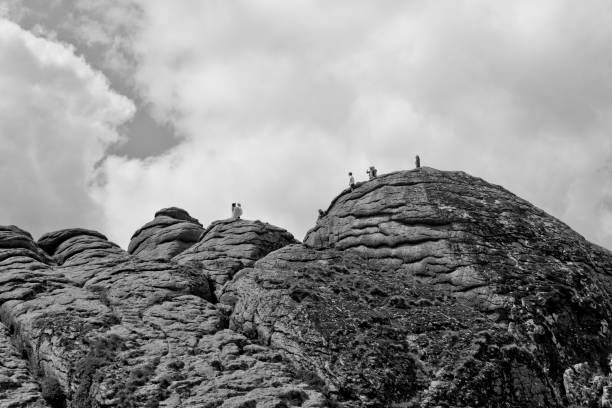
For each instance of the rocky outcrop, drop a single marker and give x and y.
(228, 246)
(100, 327)
(342, 321)
(454, 231)
(419, 288)
(171, 232)
(475, 295)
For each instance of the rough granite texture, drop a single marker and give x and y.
(419, 288)
(113, 330)
(171, 232)
(228, 246)
(17, 387)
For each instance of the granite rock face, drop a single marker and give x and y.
(419, 288)
(17, 387)
(98, 327)
(228, 246)
(171, 232)
(430, 288)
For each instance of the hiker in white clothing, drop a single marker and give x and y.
(238, 211)
(351, 181)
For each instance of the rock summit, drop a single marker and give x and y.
(420, 288)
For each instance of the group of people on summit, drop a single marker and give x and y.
(236, 211)
(372, 172)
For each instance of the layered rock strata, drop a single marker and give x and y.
(419, 288)
(171, 232)
(106, 328)
(228, 246)
(17, 386)
(432, 288)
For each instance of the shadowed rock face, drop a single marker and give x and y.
(17, 386)
(417, 289)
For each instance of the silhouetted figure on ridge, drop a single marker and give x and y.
(371, 172)
(417, 162)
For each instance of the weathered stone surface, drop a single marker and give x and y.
(16, 245)
(331, 314)
(51, 241)
(104, 328)
(417, 289)
(228, 246)
(171, 232)
(18, 388)
(454, 231)
(479, 298)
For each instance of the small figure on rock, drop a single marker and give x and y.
(321, 213)
(238, 211)
(417, 162)
(351, 181)
(371, 172)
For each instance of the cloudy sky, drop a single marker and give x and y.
(112, 109)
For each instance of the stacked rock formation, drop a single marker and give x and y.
(419, 288)
(228, 246)
(99, 327)
(171, 232)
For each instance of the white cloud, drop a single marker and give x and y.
(100, 30)
(277, 100)
(57, 116)
(258, 171)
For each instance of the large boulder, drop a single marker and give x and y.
(171, 232)
(228, 246)
(431, 288)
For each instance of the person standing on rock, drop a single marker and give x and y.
(351, 181)
(238, 211)
(417, 162)
(371, 172)
(233, 210)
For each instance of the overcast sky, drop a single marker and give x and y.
(113, 109)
